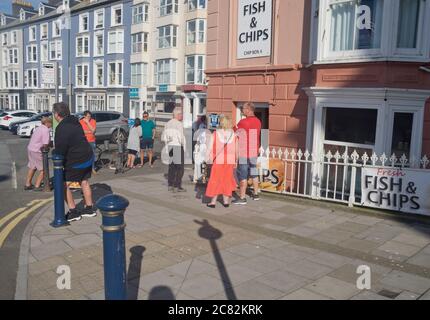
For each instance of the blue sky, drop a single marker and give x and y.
(6, 5)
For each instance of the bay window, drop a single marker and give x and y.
(194, 69)
(372, 29)
(139, 42)
(138, 74)
(196, 31)
(167, 36)
(196, 4)
(165, 71)
(168, 7)
(140, 13)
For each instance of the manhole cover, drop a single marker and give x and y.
(388, 294)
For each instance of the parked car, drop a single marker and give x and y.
(7, 117)
(108, 124)
(13, 127)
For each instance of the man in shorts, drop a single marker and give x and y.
(70, 142)
(248, 132)
(147, 140)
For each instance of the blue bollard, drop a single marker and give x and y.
(59, 217)
(112, 208)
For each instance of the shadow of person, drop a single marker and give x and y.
(134, 271)
(161, 293)
(212, 234)
(99, 190)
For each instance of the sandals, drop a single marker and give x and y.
(210, 205)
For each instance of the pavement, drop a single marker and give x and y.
(276, 248)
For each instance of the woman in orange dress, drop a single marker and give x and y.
(223, 156)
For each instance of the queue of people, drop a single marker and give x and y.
(231, 151)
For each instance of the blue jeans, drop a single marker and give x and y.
(93, 145)
(247, 168)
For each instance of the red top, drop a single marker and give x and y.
(248, 132)
(88, 134)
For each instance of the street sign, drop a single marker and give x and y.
(162, 88)
(134, 93)
(48, 73)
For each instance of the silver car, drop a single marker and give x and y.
(109, 123)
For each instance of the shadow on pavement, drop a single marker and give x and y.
(99, 190)
(212, 234)
(4, 178)
(161, 293)
(133, 274)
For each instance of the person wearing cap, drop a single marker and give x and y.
(147, 141)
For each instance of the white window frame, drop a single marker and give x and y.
(96, 14)
(119, 101)
(34, 52)
(171, 39)
(83, 53)
(31, 101)
(168, 68)
(83, 66)
(5, 39)
(42, 36)
(44, 51)
(32, 33)
(58, 46)
(96, 35)
(140, 77)
(119, 77)
(5, 60)
(389, 30)
(31, 78)
(143, 42)
(196, 68)
(13, 56)
(98, 63)
(386, 100)
(197, 6)
(113, 9)
(13, 37)
(164, 7)
(82, 28)
(95, 99)
(119, 45)
(144, 13)
(83, 98)
(56, 26)
(197, 32)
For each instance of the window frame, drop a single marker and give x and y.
(119, 81)
(163, 8)
(54, 27)
(196, 69)
(58, 44)
(143, 75)
(83, 54)
(173, 36)
(96, 15)
(33, 53)
(32, 33)
(42, 37)
(144, 13)
(117, 48)
(83, 66)
(34, 77)
(82, 16)
(172, 72)
(113, 22)
(96, 64)
(96, 35)
(197, 7)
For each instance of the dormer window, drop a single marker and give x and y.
(22, 15)
(3, 20)
(41, 10)
(65, 4)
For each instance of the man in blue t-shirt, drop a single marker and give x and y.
(147, 141)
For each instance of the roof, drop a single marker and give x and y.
(85, 4)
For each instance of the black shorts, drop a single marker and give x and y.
(132, 152)
(77, 175)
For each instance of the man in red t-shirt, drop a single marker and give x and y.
(248, 133)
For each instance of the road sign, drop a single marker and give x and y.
(134, 93)
(48, 73)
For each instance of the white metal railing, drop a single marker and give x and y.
(329, 176)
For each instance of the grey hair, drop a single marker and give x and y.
(176, 111)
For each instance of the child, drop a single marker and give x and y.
(133, 144)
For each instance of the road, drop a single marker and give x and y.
(17, 206)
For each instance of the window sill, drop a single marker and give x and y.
(367, 59)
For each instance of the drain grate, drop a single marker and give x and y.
(388, 294)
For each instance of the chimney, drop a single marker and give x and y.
(17, 5)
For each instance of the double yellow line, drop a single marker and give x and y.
(18, 215)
